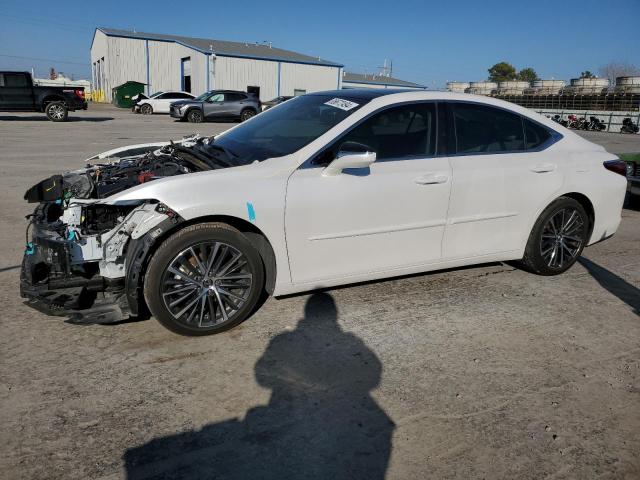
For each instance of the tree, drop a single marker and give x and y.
(528, 75)
(613, 70)
(587, 74)
(502, 72)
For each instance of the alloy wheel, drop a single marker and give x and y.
(56, 111)
(206, 284)
(562, 238)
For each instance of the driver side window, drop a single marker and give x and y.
(397, 132)
(218, 97)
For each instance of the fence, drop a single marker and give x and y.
(612, 120)
(609, 102)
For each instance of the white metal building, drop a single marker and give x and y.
(363, 80)
(165, 62)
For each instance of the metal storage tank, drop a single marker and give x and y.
(586, 86)
(628, 85)
(546, 87)
(458, 87)
(482, 88)
(512, 87)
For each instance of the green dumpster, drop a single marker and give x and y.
(122, 94)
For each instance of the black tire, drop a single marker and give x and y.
(146, 109)
(57, 111)
(246, 114)
(195, 116)
(214, 294)
(554, 230)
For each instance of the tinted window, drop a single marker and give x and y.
(15, 80)
(233, 97)
(481, 129)
(182, 95)
(398, 132)
(535, 134)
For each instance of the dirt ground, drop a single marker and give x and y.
(484, 372)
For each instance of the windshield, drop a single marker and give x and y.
(286, 128)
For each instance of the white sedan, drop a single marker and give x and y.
(325, 189)
(160, 102)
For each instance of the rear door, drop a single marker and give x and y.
(16, 92)
(500, 180)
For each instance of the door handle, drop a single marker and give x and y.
(431, 179)
(543, 168)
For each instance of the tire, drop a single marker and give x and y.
(189, 303)
(57, 111)
(146, 109)
(246, 114)
(194, 116)
(557, 238)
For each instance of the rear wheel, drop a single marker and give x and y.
(204, 279)
(558, 238)
(146, 109)
(56, 111)
(195, 116)
(247, 114)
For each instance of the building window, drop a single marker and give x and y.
(298, 92)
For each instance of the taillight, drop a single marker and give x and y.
(616, 166)
(80, 93)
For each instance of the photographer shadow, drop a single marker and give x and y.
(321, 421)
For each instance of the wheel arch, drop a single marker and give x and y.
(139, 256)
(52, 98)
(586, 203)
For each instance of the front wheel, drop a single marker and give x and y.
(558, 238)
(195, 116)
(56, 111)
(146, 109)
(204, 279)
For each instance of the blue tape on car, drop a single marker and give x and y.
(251, 212)
(71, 235)
(30, 249)
(59, 201)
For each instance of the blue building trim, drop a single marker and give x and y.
(208, 72)
(148, 69)
(279, 72)
(182, 74)
(223, 54)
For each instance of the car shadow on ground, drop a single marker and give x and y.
(43, 118)
(614, 284)
(320, 423)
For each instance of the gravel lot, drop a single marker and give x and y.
(484, 372)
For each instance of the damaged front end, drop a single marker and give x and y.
(85, 253)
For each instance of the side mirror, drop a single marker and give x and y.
(351, 155)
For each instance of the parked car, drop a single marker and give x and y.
(633, 174)
(19, 94)
(276, 101)
(159, 102)
(328, 189)
(217, 105)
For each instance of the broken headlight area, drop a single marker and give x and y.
(75, 258)
(130, 167)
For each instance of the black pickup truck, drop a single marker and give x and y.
(19, 94)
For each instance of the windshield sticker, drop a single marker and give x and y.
(345, 105)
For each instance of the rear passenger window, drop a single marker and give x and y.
(535, 134)
(233, 97)
(408, 130)
(483, 129)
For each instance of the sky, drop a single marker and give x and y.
(429, 42)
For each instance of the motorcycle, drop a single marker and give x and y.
(628, 126)
(573, 122)
(595, 124)
(558, 119)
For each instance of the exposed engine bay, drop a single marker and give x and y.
(84, 254)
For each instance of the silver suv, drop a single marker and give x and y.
(217, 105)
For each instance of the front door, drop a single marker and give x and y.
(16, 91)
(500, 179)
(387, 217)
(214, 106)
